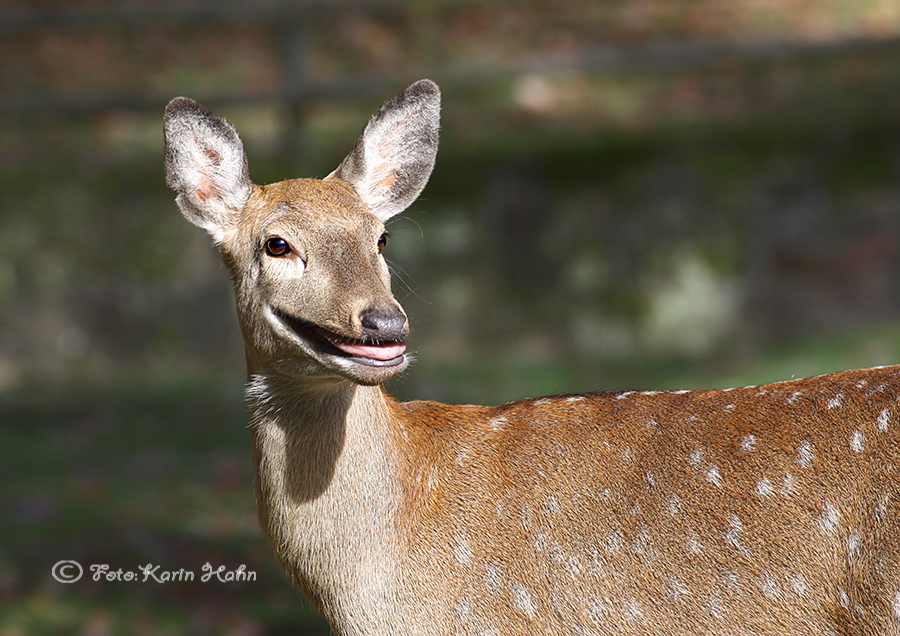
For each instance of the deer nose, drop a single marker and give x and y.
(384, 324)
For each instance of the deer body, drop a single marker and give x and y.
(762, 510)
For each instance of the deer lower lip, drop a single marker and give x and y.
(369, 352)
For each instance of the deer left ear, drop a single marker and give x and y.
(393, 157)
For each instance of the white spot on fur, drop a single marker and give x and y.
(748, 443)
(794, 397)
(551, 505)
(828, 520)
(492, 576)
(714, 607)
(804, 454)
(542, 401)
(713, 476)
(622, 396)
(787, 485)
(461, 549)
(650, 478)
(730, 581)
(896, 606)
(798, 585)
(556, 553)
(525, 518)
(675, 589)
(613, 542)
(882, 422)
(729, 408)
(857, 441)
(596, 609)
(575, 398)
(463, 611)
(768, 586)
(631, 609)
(694, 546)
(573, 565)
(497, 423)
(521, 599)
(843, 598)
(695, 457)
(732, 535)
(835, 402)
(764, 487)
(881, 507)
(853, 546)
(640, 545)
(672, 505)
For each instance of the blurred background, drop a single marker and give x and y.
(635, 194)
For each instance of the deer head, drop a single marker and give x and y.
(312, 288)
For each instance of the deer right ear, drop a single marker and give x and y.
(206, 165)
(394, 156)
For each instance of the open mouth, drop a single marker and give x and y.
(370, 352)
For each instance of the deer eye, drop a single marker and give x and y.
(382, 241)
(277, 246)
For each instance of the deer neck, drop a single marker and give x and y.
(325, 493)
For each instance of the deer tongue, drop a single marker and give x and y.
(382, 352)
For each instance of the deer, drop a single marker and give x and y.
(763, 510)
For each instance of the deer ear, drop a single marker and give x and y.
(206, 165)
(395, 153)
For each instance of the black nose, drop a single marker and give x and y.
(384, 324)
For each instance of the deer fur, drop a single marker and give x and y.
(765, 510)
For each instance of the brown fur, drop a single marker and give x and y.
(763, 510)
